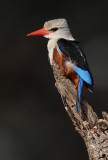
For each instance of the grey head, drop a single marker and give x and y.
(59, 29)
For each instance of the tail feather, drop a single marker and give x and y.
(80, 84)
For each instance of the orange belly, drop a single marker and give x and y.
(65, 68)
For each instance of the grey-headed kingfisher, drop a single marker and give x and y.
(64, 50)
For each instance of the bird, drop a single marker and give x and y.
(65, 51)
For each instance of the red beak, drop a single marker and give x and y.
(39, 32)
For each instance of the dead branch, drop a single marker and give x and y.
(94, 131)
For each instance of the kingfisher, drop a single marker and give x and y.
(64, 50)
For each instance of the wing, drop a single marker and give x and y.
(76, 57)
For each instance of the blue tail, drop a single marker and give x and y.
(80, 84)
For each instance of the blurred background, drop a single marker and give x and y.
(33, 122)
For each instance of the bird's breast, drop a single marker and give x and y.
(51, 45)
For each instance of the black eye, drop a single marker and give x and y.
(54, 29)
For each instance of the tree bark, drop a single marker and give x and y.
(93, 130)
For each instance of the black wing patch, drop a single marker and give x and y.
(72, 50)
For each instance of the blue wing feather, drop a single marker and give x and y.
(84, 74)
(58, 49)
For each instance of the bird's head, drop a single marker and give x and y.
(54, 29)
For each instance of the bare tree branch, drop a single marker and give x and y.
(94, 131)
